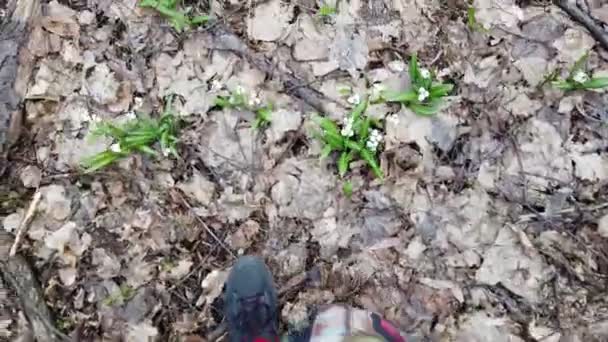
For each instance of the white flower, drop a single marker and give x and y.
(374, 140)
(396, 66)
(394, 119)
(92, 118)
(216, 85)
(354, 99)
(165, 152)
(115, 148)
(347, 128)
(425, 73)
(423, 94)
(130, 115)
(377, 89)
(254, 101)
(580, 77)
(239, 90)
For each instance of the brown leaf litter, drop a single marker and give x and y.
(490, 225)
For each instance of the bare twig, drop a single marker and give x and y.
(205, 226)
(223, 39)
(582, 18)
(24, 224)
(529, 217)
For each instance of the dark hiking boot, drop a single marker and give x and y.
(250, 302)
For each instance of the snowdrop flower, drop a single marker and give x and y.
(394, 119)
(425, 73)
(216, 85)
(347, 128)
(93, 118)
(396, 66)
(239, 90)
(115, 148)
(580, 77)
(377, 89)
(254, 101)
(423, 94)
(165, 152)
(374, 140)
(130, 115)
(354, 99)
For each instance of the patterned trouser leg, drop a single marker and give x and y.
(338, 323)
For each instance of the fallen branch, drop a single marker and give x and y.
(20, 277)
(25, 223)
(582, 18)
(13, 34)
(205, 226)
(529, 217)
(224, 40)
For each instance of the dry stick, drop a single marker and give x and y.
(25, 223)
(225, 40)
(198, 218)
(589, 23)
(528, 217)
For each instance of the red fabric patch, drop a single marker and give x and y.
(261, 339)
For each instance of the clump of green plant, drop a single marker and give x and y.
(472, 22)
(427, 95)
(326, 11)
(179, 19)
(240, 100)
(136, 135)
(579, 79)
(124, 293)
(359, 137)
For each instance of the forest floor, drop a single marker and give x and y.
(489, 224)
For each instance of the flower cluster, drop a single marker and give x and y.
(347, 127)
(354, 99)
(425, 73)
(375, 138)
(423, 94)
(376, 92)
(580, 77)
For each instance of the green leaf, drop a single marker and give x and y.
(100, 160)
(149, 3)
(263, 116)
(327, 125)
(578, 65)
(353, 145)
(596, 83)
(564, 85)
(347, 189)
(440, 89)
(109, 130)
(425, 109)
(343, 163)
(222, 101)
(326, 11)
(200, 19)
(370, 159)
(327, 149)
(359, 110)
(403, 97)
(414, 70)
(147, 150)
(363, 130)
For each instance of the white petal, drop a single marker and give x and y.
(115, 148)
